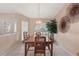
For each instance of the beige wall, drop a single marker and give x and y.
(69, 40)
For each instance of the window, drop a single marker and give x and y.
(8, 24)
(7, 28)
(41, 28)
(14, 27)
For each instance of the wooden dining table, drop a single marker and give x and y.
(31, 40)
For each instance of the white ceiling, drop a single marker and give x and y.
(34, 10)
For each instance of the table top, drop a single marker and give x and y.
(32, 40)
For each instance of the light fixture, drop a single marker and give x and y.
(38, 20)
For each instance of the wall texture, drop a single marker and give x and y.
(69, 40)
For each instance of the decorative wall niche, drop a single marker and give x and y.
(64, 24)
(73, 9)
(73, 12)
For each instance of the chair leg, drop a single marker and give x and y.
(48, 47)
(28, 47)
(34, 52)
(44, 53)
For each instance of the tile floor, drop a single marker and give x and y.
(18, 50)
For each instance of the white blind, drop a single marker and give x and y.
(7, 24)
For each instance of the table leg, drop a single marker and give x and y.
(25, 49)
(51, 49)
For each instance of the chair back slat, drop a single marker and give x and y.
(40, 44)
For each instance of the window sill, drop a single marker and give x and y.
(7, 34)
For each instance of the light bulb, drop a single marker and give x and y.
(38, 22)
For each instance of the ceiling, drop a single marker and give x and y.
(33, 10)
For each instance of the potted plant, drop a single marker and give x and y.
(52, 27)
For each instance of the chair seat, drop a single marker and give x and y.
(40, 51)
(31, 44)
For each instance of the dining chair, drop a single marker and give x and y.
(38, 34)
(30, 45)
(25, 35)
(40, 44)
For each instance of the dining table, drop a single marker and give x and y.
(31, 40)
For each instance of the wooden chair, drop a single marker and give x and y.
(40, 44)
(25, 36)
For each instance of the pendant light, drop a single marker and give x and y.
(38, 20)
